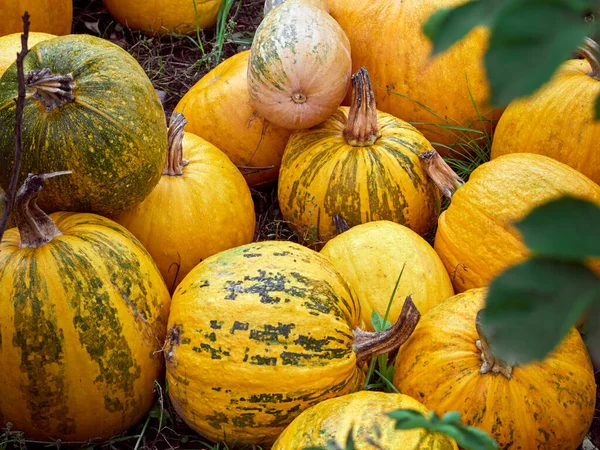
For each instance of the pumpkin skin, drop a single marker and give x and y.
(299, 67)
(80, 360)
(387, 38)
(257, 334)
(547, 405)
(500, 192)
(48, 16)
(113, 137)
(371, 256)
(164, 16)
(10, 45)
(363, 411)
(218, 109)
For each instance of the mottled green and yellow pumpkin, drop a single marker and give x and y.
(365, 415)
(261, 332)
(218, 109)
(201, 206)
(558, 120)
(360, 163)
(299, 67)
(548, 404)
(10, 45)
(104, 122)
(83, 316)
(46, 16)
(372, 256)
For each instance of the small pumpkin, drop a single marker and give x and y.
(218, 109)
(364, 414)
(201, 206)
(373, 255)
(10, 45)
(165, 16)
(271, 4)
(558, 120)
(47, 16)
(361, 164)
(299, 67)
(446, 364)
(83, 316)
(260, 332)
(104, 122)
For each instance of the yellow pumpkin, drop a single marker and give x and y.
(47, 16)
(10, 45)
(365, 413)
(558, 120)
(83, 316)
(218, 109)
(549, 404)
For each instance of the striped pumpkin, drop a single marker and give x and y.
(11, 44)
(361, 164)
(105, 124)
(83, 314)
(261, 332)
(46, 16)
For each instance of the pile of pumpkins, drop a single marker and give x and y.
(133, 253)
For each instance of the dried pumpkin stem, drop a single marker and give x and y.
(52, 90)
(175, 163)
(440, 172)
(361, 128)
(367, 344)
(591, 51)
(490, 363)
(341, 226)
(35, 227)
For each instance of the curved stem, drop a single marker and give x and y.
(53, 91)
(591, 51)
(361, 129)
(440, 172)
(370, 344)
(340, 223)
(175, 163)
(35, 227)
(490, 363)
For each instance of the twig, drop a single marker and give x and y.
(9, 199)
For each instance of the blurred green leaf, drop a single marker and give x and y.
(377, 322)
(407, 419)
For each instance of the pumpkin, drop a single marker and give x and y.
(365, 415)
(361, 164)
(271, 4)
(47, 16)
(435, 93)
(218, 109)
(83, 318)
(10, 45)
(260, 332)
(105, 123)
(372, 256)
(558, 120)
(165, 16)
(475, 239)
(185, 219)
(547, 404)
(299, 67)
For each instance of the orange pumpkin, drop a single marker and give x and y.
(47, 16)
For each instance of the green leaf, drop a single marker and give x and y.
(350, 440)
(468, 438)
(565, 228)
(377, 322)
(528, 42)
(452, 417)
(407, 419)
(592, 337)
(532, 306)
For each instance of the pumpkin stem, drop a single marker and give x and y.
(340, 223)
(361, 128)
(440, 172)
(175, 163)
(36, 228)
(591, 51)
(367, 344)
(53, 91)
(490, 363)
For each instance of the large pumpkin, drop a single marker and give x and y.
(105, 123)
(558, 120)
(218, 109)
(47, 16)
(387, 38)
(165, 16)
(299, 68)
(365, 413)
(201, 206)
(261, 332)
(83, 316)
(547, 405)
(360, 163)
(371, 257)
(10, 45)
